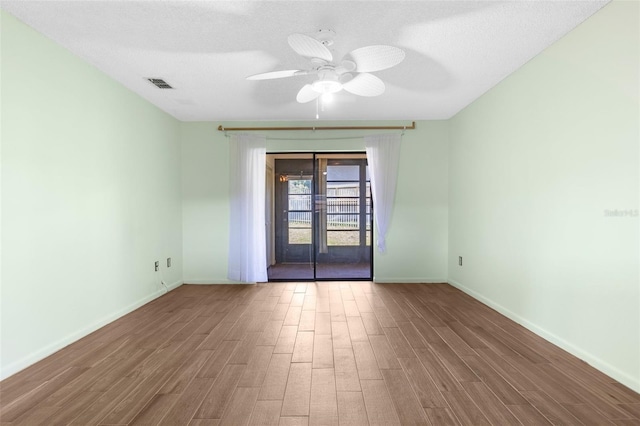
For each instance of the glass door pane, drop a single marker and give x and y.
(343, 215)
(300, 217)
(294, 219)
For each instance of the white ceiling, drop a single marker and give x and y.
(455, 50)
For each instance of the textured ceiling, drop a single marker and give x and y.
(455, 50)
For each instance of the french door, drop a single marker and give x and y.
(322, 219)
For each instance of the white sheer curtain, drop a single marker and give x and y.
(247, 240)
(383, 155)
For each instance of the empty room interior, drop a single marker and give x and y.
(320, 213)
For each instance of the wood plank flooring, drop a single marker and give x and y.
(344, 353)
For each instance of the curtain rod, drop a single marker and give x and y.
(314, 128)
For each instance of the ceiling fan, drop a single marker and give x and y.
(352, 74)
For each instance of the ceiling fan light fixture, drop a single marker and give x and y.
(326, 98)
(326, 86)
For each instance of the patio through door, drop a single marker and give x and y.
(322, 217)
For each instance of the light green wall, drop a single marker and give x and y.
(417, 238)
(534, 165)
(90, 198)
(205, 203)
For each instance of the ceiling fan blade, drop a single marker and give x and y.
(364, 85)
(309, 47)
(307, 94)
(376, 58)
(275, 74)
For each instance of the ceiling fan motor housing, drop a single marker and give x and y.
(326, 36)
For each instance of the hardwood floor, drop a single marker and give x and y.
(314, 353)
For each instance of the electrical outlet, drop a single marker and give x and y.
(157, 265)
(168, 262)
(460, 260)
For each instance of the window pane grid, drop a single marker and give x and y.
(299, 186)
(299, 202)
(299, 236)
(343, 218)
(343, 238)
(343, 189)
(299, 219)
(343, 206)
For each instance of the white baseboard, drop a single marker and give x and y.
(40, 354)
(405, 280)
(214, 281)
(599, 364)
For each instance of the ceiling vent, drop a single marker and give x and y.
(160, 83)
